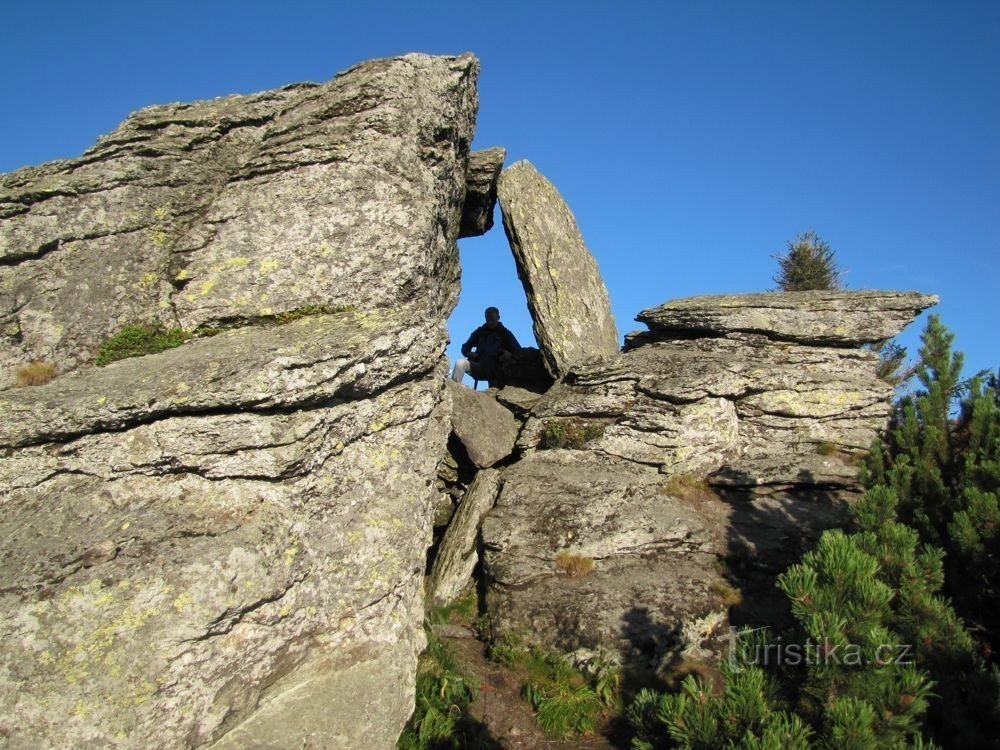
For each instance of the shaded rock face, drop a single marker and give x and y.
(216, 544)
(567, 298)
(703, 464)
(481, 191)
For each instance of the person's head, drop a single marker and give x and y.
(492, 317)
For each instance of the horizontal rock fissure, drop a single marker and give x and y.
(346, 395)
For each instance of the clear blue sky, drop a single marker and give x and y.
(691, 139)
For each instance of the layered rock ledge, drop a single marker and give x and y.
(706, 457)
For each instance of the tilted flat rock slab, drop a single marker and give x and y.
(348, 355)
(457, 556)
(486, 429)
(820, 317)
(344, 193)
(567, 297)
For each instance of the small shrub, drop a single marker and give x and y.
(37, 372)
(136, 340)
(576, 566)
(460, 610)
(571, 434)
(443, 695)
(565, 698)
(687, 486)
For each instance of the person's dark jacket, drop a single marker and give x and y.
(489, 344)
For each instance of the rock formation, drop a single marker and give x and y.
(567, 298)
(224, 543)
(701, 446)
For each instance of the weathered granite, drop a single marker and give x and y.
(486, 429)
(813, 317)
(457, 556)
(345, 193)
(567, 298)
(652, 553)
(213, 545)
(705, 464)
(481, 191)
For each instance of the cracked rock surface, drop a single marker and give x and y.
(216, 545)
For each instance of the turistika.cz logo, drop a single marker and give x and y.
(749, 650)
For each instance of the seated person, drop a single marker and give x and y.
(487, 345)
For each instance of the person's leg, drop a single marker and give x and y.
(462, 366)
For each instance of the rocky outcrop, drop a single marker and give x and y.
(486, 429)
(717, 446)
(481, 191)
(235, 209)
(216, 544)
(567, 298)
(814, 317)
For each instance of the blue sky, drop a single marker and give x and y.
(691, 139)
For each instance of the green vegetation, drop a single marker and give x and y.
(566, 699)
(825, 448)
(877, 656)
(808, 264)
(570, 433)
(441, 718)
(36, 372)
(138, 339)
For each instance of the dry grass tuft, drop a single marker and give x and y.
(37, 372)
(727, 594)
(575, 566)
(826, 448)
(687, 486)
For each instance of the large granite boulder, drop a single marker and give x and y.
(696, 454)
(241, 208)
(585, 550)
(224, 544)
(567, 298)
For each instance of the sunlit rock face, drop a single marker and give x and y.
(224, 543)
(568, 301)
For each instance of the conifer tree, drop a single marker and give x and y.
(808, 264)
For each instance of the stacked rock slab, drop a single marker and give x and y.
(223, 544)
(730, 429)
(567, 298)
